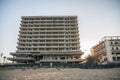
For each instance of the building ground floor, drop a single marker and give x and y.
(67, 57)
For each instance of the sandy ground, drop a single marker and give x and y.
(60, 74)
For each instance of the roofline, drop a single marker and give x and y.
(50, 16)
(110, 38)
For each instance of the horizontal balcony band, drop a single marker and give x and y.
(66, 60)
(115, 50)
(56, 42)
(47, 26)
(114, 44)
(53, 17)
(32, 26)
(65, 34)
(49, 23)
(51, 20)
(46, 40)
(42, 47)
(16, 53)
(20, 59)
(48, 54)
(49, 36)
(60, 53)
(31, 35)
(73, 52)
(46, 31)
(51, 43)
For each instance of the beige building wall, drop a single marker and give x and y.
(49, 37)
(108, 50)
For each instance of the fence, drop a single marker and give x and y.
(63, 65)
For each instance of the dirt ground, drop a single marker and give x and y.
(60, 74)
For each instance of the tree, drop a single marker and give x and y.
(91, 59)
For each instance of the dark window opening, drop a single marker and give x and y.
(118, 58)
(111, 42)
(62, 58)
(113, 53)
(116, 48)
(112, 48)
(114, 58)
(117, 53)
(116, 42)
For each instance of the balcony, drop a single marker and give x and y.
(65, 60)
(115, 44)
(20, 59)
(59, 52)
(115, 50)
(22, 53)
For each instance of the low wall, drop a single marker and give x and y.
(63, 65)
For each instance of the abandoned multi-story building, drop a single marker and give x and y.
(48, 39)
(107, 50)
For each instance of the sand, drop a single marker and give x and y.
(60, 74)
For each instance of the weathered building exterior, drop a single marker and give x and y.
(48, 39)
(107, 50)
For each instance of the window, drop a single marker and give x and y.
(118, 58)
(112, 48)
(105, 59)
(22, 49)
(56, 58)
(35, 40)
(114, 58)
(62, 58)
(55, 44)
(43, 18)
(117, 53)
(116, 42)
(113, 53)
(116, 48)
(111, 42)
(35, 45)
(34, 48)
(41, 44)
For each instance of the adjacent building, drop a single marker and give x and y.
(107, 50)
(48, 39)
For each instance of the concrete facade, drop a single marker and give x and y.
(107, 50)
(48, 39)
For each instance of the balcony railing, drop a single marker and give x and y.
(65, 60)
(20, 59)
(115, 50)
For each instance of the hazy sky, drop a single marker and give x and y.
(96, 18)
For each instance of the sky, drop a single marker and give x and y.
(96, 19)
